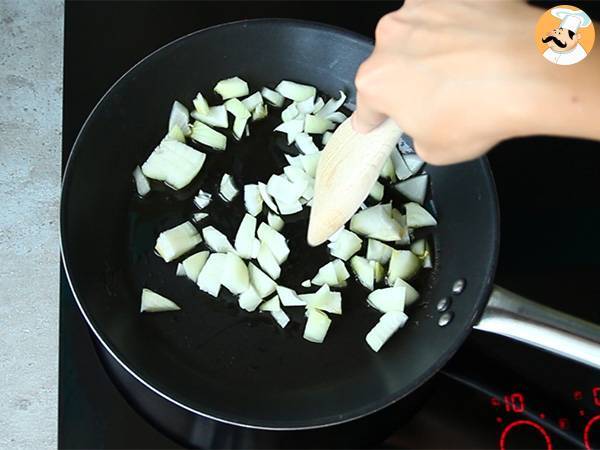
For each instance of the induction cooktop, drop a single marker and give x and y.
(494, 393)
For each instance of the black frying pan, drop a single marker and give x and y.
(211, 358)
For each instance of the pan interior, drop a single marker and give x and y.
(213, 357)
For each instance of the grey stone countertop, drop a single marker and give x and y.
(31, 54)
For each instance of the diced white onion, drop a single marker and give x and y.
(305, 144)
(417, 216)
(209, 279)
(216, 240)
(317, 326)
(192, 265)
(333, 273)
(346, 245)
(237, 108)
(249, 299)
(388, 299)
(295, 91)
(252, 199)
(400, 168)
(227, 188)
(326, 136)
(202, 199)
(412, 295)
(175, 134)
(388, 324)
(364, 271)
(378, 251)
(153, 302)
(289, 208)
(275, 221)
(419, 247)
(413, 162)
(306, 106)
(262, 188)
(377, 222)
(332, 105)
(260, 112)
(414, 189)
(271, 305)
(216, 117)
(239, 126)
(280, 188)
(174, 163)
(377, 191)
(204, 134)
(317, 124)
(273, 97)
(235, 275)
(141, 182)
(244, 238)
(180, 271)
(253, 101)
(176, 241)
(319, 103)
(179, 116)
(231, 88)
(324, 300)
(403, 264)
(305, 283)
(275, 241)
(292, 128)
(289, 297)
(310, 163)
(289, 113)
(267, 261)
(200, 104)
(378, 270)
(281, 318)
(387, 170)
(264, 285)
(337, 117)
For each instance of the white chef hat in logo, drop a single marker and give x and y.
(571, 19)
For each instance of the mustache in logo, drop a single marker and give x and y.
(556, 41)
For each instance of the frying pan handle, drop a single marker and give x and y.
(515, 317)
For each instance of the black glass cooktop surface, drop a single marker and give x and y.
(494, 393)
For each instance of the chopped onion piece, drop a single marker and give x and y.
(249, 299)
(346, 245)
(364, 271)
(153, 302)
(305, 144)
(341, 272)
(275, 221)
(202, 199)
(192, 265)
(237, 108)
(264, 285)
(326, 136)
(388, 324)
(400, 168)
(252, 199)
(275, 241)
(417, 216)
(310, 163)
(217, 240)
(378, 251)
(174, 163)
(388, 299)
(206, 135)
(292, 128)
(317, 326)
(317, 124)
(427, 260)
(414, 189)
(378, 270)
(332, 105)
(253, 101)
(377, 191)
(337, 117)
(295, 91)
(335, 236)
(260, 112)
(141, 182)
(175, 134)
(324, 300)
(209, 279)
(387, 171)
(227, 189)
(239, 126)
(180, 116)
(403, 264)
(273, 97)
(201, 104)
(289, 297)
(419, 248)
(244, 238)
(333, 273)
(231, 88)
(305, 283)
(306, 106)
(271, 305)
(267, 261)
(176, 241)
(319, 103)
(283, 190)
(413, 162)
(235, 275)
(281, 318)
(377, 222)
(412, 295)
(216, 117)
(289, 208)
(289, 113)
(297, 175)
(262, 188)
(180, 271)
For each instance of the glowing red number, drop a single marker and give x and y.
(506, 403)
(518, 403)
(596, 395)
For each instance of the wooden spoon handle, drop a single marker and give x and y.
(348, 167)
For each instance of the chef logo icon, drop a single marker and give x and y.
(565, 35)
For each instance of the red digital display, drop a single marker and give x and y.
(596, 395)
(528, 423)
(586, 431)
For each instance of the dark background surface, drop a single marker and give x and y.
(550, 247)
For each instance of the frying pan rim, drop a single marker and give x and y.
(259, 425)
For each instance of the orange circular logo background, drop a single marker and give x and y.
(549, 22)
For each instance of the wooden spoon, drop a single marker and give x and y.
(348, 168)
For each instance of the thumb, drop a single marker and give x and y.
(365, 118)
